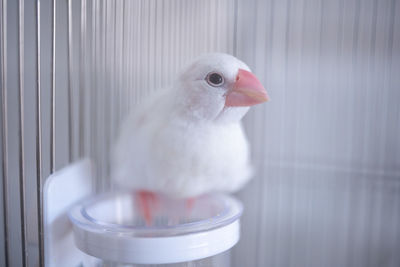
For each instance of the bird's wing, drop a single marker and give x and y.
(133, 143)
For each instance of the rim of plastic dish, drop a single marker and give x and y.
(154, 244)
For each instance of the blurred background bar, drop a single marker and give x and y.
(326, 147)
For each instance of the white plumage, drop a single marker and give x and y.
(186, 140)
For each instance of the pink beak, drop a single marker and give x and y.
(247, 91)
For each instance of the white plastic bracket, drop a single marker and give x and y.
(62, 190)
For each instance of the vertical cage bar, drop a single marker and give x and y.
(121, 62)
(93, 93)
(39, 172)
(124, 61)
(69, 86)
(5, 123)
(103, 101)
(53, 91)
(96, 89)
(22, 177)
(114, 88)
(128, 78)
(82, 73)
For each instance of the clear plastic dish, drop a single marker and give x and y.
(110, 227)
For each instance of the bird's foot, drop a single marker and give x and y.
(190, 203)
(147, 201)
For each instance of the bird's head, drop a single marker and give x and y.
(219, 87)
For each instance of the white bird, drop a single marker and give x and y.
(188, 140)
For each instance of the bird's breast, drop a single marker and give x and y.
(195, 159)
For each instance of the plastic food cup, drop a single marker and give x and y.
(111, 228)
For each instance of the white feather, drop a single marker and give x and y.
(183, 141)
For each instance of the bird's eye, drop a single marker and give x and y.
(215, 79)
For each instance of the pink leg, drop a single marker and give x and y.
(190, 203)
(147, 201)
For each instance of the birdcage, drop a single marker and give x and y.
(326, 149)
